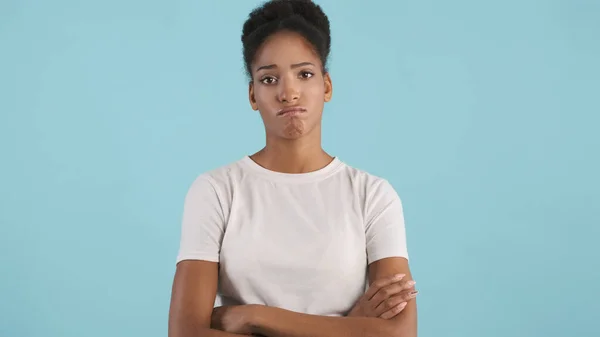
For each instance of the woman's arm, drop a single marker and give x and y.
(405, 323)
(192, 300)
(275, 322)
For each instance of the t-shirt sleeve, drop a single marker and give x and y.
(203, 223)
(385, 229)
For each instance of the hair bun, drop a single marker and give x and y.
(280, 10)
(302, 16)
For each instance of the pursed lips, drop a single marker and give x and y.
(291, 111)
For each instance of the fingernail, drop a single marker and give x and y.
(399, 276)
(402, 305)
(414, 293)
(411, 283)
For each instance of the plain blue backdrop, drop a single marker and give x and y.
(484, 116)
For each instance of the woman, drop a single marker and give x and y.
(290, 237)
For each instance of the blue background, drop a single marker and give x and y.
(484, 115)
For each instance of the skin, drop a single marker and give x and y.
(385, 298)
(288, 73)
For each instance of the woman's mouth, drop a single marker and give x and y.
(291, 111)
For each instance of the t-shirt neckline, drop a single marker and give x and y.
(312, 176)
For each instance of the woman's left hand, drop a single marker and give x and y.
(232, 319)
(385, 298)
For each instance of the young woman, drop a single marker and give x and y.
(288, 239)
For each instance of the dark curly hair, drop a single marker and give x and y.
(300, 16)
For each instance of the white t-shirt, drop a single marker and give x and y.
(300, 242)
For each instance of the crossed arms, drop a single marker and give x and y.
(194, 292)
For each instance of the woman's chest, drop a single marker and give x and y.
(312, 249)
(294, 229)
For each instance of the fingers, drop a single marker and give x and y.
(393, 311)
(393, 289)
(377, 285)
(395, 304)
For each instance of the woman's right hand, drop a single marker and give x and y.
(385, 298)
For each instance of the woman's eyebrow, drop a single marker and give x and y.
(296, 65)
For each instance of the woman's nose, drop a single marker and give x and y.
(288, 92)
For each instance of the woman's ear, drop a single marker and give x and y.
(251, 96)
(328, 87)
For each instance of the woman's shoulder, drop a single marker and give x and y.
(219, 178)
(371, 182)
(374, 192)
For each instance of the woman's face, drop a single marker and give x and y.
(288, 86)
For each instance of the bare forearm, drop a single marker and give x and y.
(189, 331)
(274, 322)
(216, 333)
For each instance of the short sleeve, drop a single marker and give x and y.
(385, 229)
(203, 223)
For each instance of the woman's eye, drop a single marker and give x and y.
(306, 74)
(268, 80)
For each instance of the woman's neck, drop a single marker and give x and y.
(292, 156)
